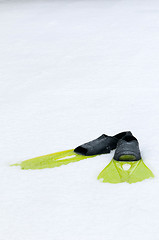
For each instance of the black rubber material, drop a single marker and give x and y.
(128, 145)
(103, 144)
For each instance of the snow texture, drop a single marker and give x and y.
(69, 72)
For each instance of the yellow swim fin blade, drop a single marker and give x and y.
(125, 171)
(52, 160)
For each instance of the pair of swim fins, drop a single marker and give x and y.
(126, 165)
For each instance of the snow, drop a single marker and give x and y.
(69, 72)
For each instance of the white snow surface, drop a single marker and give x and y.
(69, 72)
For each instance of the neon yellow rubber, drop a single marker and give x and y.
(114, 172)
(52, 160)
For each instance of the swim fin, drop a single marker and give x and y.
(127, 164)
(103, 144)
